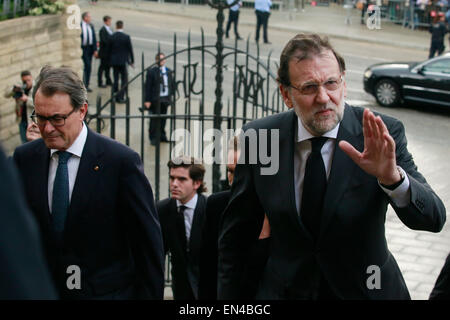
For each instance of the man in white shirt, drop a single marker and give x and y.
(92, 200)
(339, 168)
(89, 47)
(182, 218)
(262, 11)
(233, 17)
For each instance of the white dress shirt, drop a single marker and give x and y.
(188, 214)
(76, 149)
(108, 29)
(87, 33)
(400, 196)
(236, 6)
(263, 5)
(165, 83)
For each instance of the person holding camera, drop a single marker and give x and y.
(24, 102)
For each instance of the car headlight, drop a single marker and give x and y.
(368, 74)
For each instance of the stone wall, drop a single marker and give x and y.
(29, 43)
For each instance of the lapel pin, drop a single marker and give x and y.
(96, 168)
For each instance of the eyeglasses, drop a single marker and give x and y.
(56, 120)
(313, 88)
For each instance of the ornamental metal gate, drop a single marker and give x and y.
(218, 88)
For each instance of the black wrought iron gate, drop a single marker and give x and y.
(198, 119)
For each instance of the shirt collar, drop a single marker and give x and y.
(303, 134)
(78, 145)
(190, 204)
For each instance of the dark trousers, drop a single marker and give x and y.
(122, 72)
(262, 17)
(104, 68)
(87, 61)
(436, 47)
(233, 17)
(164, 105)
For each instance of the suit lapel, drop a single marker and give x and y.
(89, 171)
(288, 136)
(197, 221)
(342, 167)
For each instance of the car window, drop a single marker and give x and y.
(441, 66)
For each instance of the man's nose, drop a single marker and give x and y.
(48, 127)
(322, 95)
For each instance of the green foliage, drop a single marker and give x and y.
(38, 7)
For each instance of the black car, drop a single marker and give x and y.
(425, 82)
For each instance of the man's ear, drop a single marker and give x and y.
(83, 111)
(345, 84)
(197, 184)
(286, 96)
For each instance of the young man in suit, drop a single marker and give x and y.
(159, 88)
(91, 198)
(121, 55)
(233, 17)
(339, 168)
(104, 53)
(182, 217)
(89, 47)
(215, 206)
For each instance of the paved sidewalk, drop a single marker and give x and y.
(322, 20)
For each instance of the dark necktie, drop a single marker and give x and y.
(60, 200)
(314, 187)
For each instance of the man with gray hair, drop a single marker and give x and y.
(340, 168)
(92, 200)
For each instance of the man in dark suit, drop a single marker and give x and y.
(441, 289)
(89, 193)
(159, 88)
(89, 47)
(104, 52)
(335, 169)
(121, 55)
(24, 272)
(182, 218)
(215, 206)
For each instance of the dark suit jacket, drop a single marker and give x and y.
(105, 44)
(185, 263)
(441, 290)
(352, 234)
(152, 84)
(215, 206)
(93, 46)
(112, 230)
(24, 272)
(121, 49)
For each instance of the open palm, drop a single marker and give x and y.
(378, 157)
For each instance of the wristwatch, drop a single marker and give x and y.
(395, 185)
